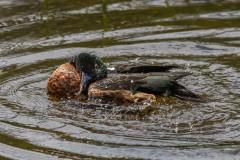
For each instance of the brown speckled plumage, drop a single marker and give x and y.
(117, 96)
(64, 82)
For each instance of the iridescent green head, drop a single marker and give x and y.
(89, 64)
(84, 62)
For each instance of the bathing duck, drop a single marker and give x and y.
(87, 76)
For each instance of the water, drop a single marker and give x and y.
(201, 36)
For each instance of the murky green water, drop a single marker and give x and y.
(37, 36)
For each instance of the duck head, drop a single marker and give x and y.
(84, 62)
(90, 67)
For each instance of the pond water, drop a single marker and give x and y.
(36, 36)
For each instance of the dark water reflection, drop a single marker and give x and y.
(201, 36)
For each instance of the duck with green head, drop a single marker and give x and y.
(125, 84)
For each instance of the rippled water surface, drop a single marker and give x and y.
(202, 36)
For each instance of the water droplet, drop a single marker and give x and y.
(111, 68)
(176, 130)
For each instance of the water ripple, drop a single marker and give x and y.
(200, 36)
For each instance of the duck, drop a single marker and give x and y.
(85, 76)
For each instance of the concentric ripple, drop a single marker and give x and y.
(200, 36)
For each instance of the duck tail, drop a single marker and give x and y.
(183, 93)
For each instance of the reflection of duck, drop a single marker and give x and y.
(125, 83)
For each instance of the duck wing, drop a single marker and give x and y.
(126, 68)
(165, 85)
(152, 83)
(118, 81)
(174, 75)
(157, 83)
